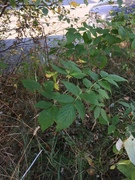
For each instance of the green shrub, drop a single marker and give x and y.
(72, 92)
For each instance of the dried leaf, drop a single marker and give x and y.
(127, 98)
(89, 159)
(91, 171)
(74, 4)
(59, 9)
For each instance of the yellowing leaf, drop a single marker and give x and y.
(82, 61)
(56, 86)
(50, 74)
(74, 4)
(68, 76)
(112, 167)
(55, 77)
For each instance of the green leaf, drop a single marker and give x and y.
(100, 99)
(71, 30)
(80, 49)
(87, 83)
(48, 94)
(72, 88)
(105, 85)
(104, 115)
(3, 65)
(132, 105)
(97, 40)
(111, 81)
(94, 52)
(78, 36)
(94, 32)
(127, 111)
(126, 167)
(103, 93)
(70, 65)
(96, 86)
(59, 69)
(80, 108)
(26, 2)
(102, 31)
(47, 117)
(122, 32)
(49, 85)
(117, 78)
(45, 11)
(54, 111)
(31, 84)
(131, 35)
(93, 75)
(78, 75)
(120, 2)
(43, 105)
(103, 74)
(86, 38)
(133, 44)
(111, 129)
(97, 112)
(65, 117)
(133, 175)
(70, 35)
(124, 104)
(115, 120)
(101, 61)
(90, 97)
(102, 120)
(13, 3)
(86, 2)
(112, 39)
(37, 2)
(64, 98)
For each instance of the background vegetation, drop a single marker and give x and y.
(71, 102)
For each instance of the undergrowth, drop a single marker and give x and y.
(82, 150)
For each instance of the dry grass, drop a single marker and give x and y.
(16, 107)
